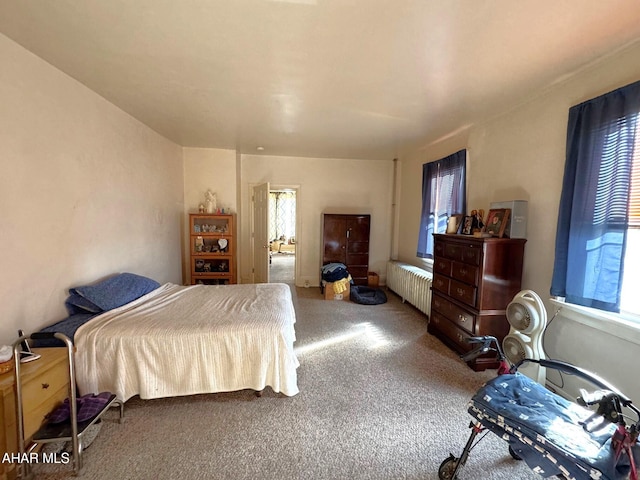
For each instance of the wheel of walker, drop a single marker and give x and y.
(447, 468)
(513, 454)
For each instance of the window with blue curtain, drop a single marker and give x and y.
(599, 211)
(443, 194)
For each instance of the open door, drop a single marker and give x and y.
(261, 233)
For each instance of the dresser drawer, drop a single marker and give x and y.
(466, 252)
(441, 283)
(441, 305)
(463, 292)
(453, 251)
(451, 332)
(442, 265)
(439, 249)
(459, 316)
(464, 272)
(463, 318)
(472, 254)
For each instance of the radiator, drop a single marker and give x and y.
(412, 283)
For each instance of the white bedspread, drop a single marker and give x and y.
(183, 340)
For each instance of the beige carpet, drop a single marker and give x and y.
(281, 268)
(379, 398)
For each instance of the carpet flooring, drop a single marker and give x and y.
(281, 268)
(380, 399)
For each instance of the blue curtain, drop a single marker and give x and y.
(593, 218)
(443, 194)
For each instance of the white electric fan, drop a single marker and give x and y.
(528, 319)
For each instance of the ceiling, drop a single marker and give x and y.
(318, 78)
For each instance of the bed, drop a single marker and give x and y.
(172, 340)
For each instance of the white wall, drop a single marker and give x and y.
(520, 155)
(85, 191)
(357, 186)
(204, 169)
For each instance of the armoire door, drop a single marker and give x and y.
(334, 239)
(357, 256)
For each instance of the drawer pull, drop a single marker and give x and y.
(45, 386)
(462, 318)
(460, 292)
(460, 337)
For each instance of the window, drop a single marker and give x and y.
(443, 194)
(598, 235)
(630, 297)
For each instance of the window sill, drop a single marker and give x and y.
(618, 325)
(425, 263)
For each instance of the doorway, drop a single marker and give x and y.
(283, 243)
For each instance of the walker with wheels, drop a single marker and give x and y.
(594, 438)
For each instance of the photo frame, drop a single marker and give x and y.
(466, 225)
(497, 221)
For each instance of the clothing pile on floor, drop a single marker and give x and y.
(337, 274)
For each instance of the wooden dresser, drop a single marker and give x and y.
(474, 279)
(45, 385)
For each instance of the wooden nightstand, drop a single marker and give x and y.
(45, 385)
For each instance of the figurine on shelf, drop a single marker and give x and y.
(199, 244)
(211, 201)
(201, 208)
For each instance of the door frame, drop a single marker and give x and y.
(296, 256)
(272, 187)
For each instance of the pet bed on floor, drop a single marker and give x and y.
(367, 295)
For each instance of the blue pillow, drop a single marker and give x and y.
(77, 304)
(116, 291)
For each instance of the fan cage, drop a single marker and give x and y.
(519, 316)
(515, 349)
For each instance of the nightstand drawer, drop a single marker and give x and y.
(42, 395)
(45, 384)
(39, 389)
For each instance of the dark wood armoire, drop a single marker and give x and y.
(345, 239)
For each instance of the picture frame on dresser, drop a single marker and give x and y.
(497, 221)
(466, 226)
